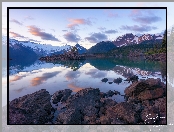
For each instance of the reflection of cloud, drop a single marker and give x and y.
(16, 78)
(74, 87)
(39, 80)
(72, 74)
(96, 73)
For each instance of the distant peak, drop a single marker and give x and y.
(77, 44)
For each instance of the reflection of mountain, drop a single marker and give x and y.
(73, 64)
(123, 67)
(102, 64)
(128, 72)
(139, 63)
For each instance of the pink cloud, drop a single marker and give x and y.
(38, 32)
(76, 22)
(13, 34)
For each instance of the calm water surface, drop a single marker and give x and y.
(76, 75)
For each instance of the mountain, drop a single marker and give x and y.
(40, 49)
(18, 52)
(102, 47)
(46, 49)
(129, 39)
(81, 49)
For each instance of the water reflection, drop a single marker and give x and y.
(70, 75)
(39, 80)
(105, 74)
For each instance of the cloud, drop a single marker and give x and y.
(101, 28)
(136, 28)
(113, 15)
(16, 78)
(37, 32)
(19, 90)
(29, 18)
(109, 13)
(96, 37)
(13, 34)
(74, 87)
(15, 21)
(39, 80)
(94, 73)
(147, 19)
(71, 37)
(136, 12)
(111, 31)
(70, 75)
(53, 30)
(77, 22)
(64, 30)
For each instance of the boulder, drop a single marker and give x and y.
(123, 111)
(145, 90)
(151, 94)
(70, 116)
(33, 108)
(61, 95)
(87, 101)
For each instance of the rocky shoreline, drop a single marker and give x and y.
(145, 104)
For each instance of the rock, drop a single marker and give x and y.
(105, 120)
(151, 94)
(132, 79)
(33, 108)
(89, 120)
(118, 80)
(109, 93)
(104, 80)
(87, 101)
(123, 111)
(143, 90)
(70, 116)
(61, 95)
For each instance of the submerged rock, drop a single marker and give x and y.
(33, 108)
(118, 80)
(104, 80)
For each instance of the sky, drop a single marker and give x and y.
(84, 26)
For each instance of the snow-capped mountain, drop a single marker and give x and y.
(81, 49)
(44, 49)
(39, 49)
(129, 38)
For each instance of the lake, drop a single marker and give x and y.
(26, 78)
